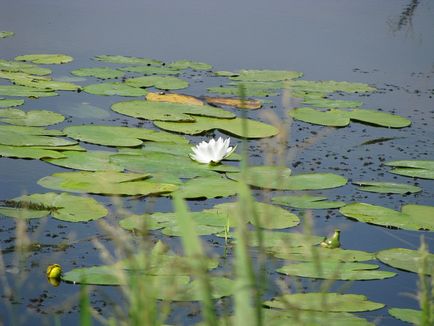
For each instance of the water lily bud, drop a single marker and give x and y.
(54, 271)
(333, 241)
(53, 281)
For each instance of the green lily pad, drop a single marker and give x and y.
(98, 72)
(382, 119)
(411, 316)
(23, 67)
(335, 270)
(225, 73)
(332, 104)
(279, 178)
(110, 89)
(406, 259)
(126, 60)
(308, 253)
(120, 136)
(208, 187)
(35, 118)
(413, 168)
(160, 82)
(86, 161)
(151, 70)
(332, 118)
(18, 90)
(4, 34)
(317, 301)
(307, 202)
(45, 58)
(187, 64)
(31, 136)
(164, 111)
(62, 206)
(387, 187)
(254, 129)
(233, 90)
(330, 86)
(105, 183)
(85, 110)
(28, 152)
(412, 217)
(266, 75)
(52, 85)
(14, 76)
(10, 103)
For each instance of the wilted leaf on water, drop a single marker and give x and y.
(324, 301)
(413, 168)
(411, 316)
(62, 206)
(254, 129)
(105, 183)
(174, 98)
(45, 58)
(4, 34)
(164, 111)
(17, 90)
(412, 217)
(98, 72)
(386, 187)
(127, 60)
(27, 68)
(407, 259)
(151, 70)
(187, 64)
(120, 136)
(160, 82)
(336, 270)
(86, 161)
(235, 102)
(7, 103)
(35, 118)
(307, 202)
(266, 75)
(208, 187)
(28, 152)
(31, 136)
(110, 89)
(332, 104)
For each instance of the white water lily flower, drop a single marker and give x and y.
(212, 152)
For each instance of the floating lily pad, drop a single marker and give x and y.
(31, 136)
(413, 168)
(86, 161)
(235, 102)
(45, 58)
(254, 129)
(4, 34)
(120, 136)
(224, 73)
(160, 82)
(127, 60)
(266, 75)
(208, 187)
(28, 68)
(308, 253)
(52, 85)
(62, 206)
(412, 217)
(35, 118)
(233, 90)
(187, 64)
(85, 110)
(17, 90)
(110, 89)
(164, 111)
(332, 104)
(174, 98)
(331, 302)
(330, 86)
(406, 259)
(335, 270)
(382, 119)
(10, 103)
(279, 178)
(151, 70)
(105, 183)
(98, 72)
(411, 316)
(28, 152)
(307, 202)
(387, 187)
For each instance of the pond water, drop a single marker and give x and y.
(386, 44)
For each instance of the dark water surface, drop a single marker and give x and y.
(388, 43)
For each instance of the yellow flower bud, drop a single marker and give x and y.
(54, 271)
(333, 241)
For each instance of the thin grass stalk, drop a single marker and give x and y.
(426, 289)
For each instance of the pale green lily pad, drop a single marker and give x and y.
(28, 152)
(4, 34)
(86, 161)
(232, 90)
(27, 68)
(332, 104)
(52, 85)
(32, 136)
(254, 129)
(18, 90)
(335, 270)
(45, 58)
(307, 202)
(98, 72)
(187, 64)
(120, 136)
(151, 70)
(273, 177)
(387, 187)
(406, 259)
(35, 118)
(6, 103)
(85, 110)
(120, 59)
(411, 316)
(331, 302)
(225, 73)
(330, 86)
(275, 241)
(160, 82)
(266, 75)
(110, 89)
(412, 217)
(62, 206)
(208, 187)
(105, 183)
(413, 168)
(332, 118)
(382, 119)
(308, 253)
(14, 76)
(164, 111)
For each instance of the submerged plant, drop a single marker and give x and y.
(212, 152)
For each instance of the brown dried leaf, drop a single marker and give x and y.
(235, 102)
(174, 98)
